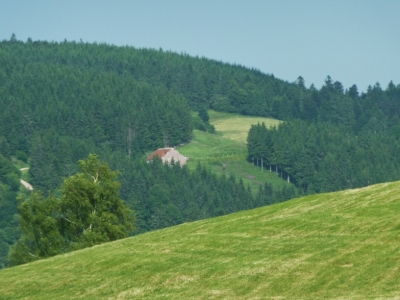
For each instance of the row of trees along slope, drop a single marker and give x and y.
(336, 139)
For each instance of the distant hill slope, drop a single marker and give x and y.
(342, 245)
(62, 101)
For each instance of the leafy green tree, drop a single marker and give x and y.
(89, 212)
(39, 224)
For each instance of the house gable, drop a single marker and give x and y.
(167, 155)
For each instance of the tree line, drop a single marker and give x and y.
(203, 82)
(348, 141)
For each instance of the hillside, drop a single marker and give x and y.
(338, 245)
(65, 100)
(226, 151)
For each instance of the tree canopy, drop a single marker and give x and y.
(341, 140)
(88, 212)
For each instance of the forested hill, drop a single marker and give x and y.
(61, 101)
(202, 81)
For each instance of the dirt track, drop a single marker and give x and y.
(27, 185)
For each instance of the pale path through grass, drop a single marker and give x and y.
(343, 245)
(25, 177)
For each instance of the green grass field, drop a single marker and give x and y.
(226, 151)
(236, 127)
(343, 245)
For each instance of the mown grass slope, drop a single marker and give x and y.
(343, 245)
(236, 127)
(226, 151)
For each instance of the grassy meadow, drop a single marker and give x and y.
(236, 127)
(226, 150)
(343, 245)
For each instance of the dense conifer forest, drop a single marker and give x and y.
(335, 140)
(9, 187)
(61, 101)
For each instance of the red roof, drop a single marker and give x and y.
(159, 152)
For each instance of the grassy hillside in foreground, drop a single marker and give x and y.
(226, 151)
(343, 245)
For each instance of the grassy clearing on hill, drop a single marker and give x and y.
(236, 127)
(206, 146)
(226, 151)
(342, 245)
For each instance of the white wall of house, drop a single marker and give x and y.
(174, 154)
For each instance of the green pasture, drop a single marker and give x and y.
(343, 245)
(207, 146)
(226, 150)
(236, 127)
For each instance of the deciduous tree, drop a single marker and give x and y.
(89, 212)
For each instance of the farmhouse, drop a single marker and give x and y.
(167, 155)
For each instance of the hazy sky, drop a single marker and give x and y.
(355, 42)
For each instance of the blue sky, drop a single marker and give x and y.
(353, 41)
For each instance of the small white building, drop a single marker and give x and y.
(167, 154)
